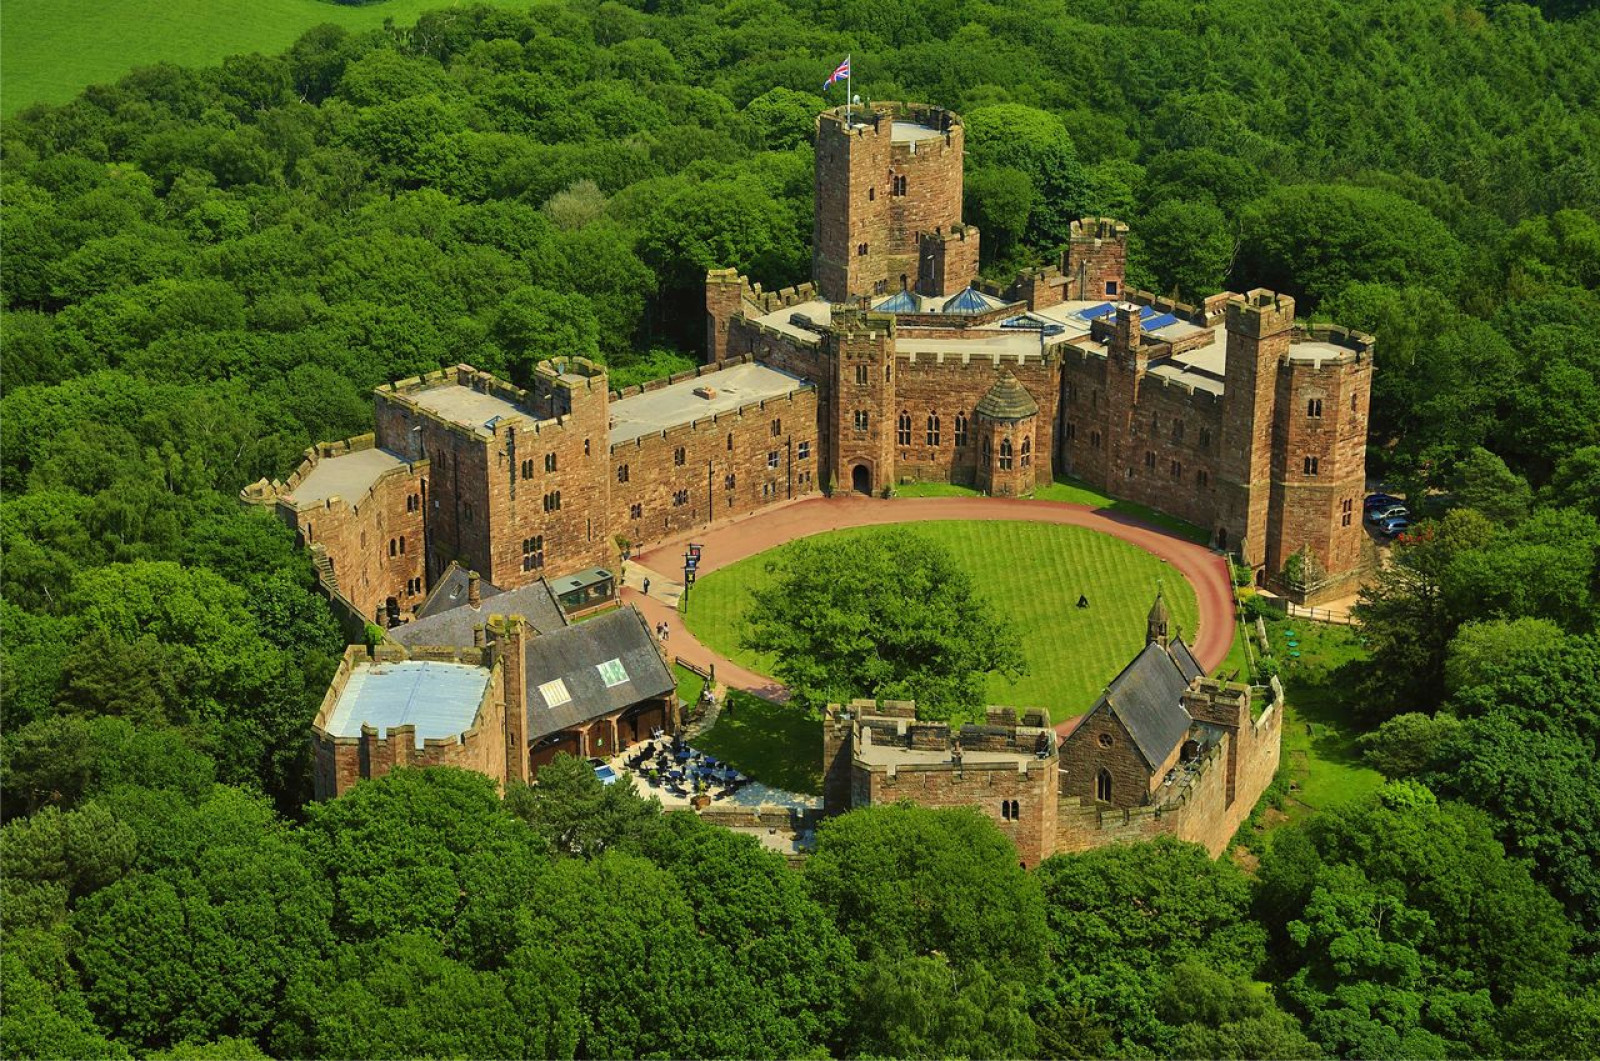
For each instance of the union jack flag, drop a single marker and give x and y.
(840, 72)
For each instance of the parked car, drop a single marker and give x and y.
(606, 775)
(1388, 513)
(1377, 501)
(1394, 526)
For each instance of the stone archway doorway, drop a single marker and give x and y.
(861, 480)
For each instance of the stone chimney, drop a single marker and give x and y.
(479, 636)
(474, 596)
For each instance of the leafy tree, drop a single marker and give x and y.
(1036, 143)
(1576, 481)
(1386, 952)
(932, 640)
(925, 1006)
(648, 938)
(1000, 200)
(1485, 483)
(395, 848)
(1313, 240)
(1481, 651)
(1120, 918)
(904, 881)
(781, 118)
(40, 1023)
(201, 942)
(749, 902)
(537, 324)
(577, 814)
(1222, 1017)
(402, 996)
(1184, 246)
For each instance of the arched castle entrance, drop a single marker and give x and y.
(861, 480)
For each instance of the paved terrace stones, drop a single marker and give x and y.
(671, 406)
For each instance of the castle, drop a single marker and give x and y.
(891, 367)
(1164, 751)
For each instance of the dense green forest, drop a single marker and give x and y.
(206, 270)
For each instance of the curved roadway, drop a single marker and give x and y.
(734, 540)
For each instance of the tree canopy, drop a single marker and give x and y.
(886, 617)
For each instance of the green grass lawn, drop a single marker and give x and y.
(1032, 572)
(690, 684)
(1319, 739)
(777, 744)
(53, 48)
(1072, 492)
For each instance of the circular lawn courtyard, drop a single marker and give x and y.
(1032, 573)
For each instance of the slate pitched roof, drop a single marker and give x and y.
(574, 656)
(1007, 400)
(1147, 698)
(451, 591)
(1185, 660)
(535, 602)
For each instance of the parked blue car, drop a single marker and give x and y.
(1375, 502)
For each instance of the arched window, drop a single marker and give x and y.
(1027, 452)
(903, 434)
(933, 429)
(1005, 454)
(1016, 811)
(1005, 810)
(1102, 786)
(961, 429)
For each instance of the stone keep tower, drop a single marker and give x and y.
(1126, 363)
(885, 180)
(1260, 327)
(1319, 465)
(860, 417)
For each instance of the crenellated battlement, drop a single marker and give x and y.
(1260, 313)
(877, 119)
(1098, 230)
(753, 296)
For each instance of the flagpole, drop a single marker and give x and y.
(848, 95)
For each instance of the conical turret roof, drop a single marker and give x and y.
(1007, 400)
(1158, 610)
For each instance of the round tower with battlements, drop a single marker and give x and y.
(888, 202)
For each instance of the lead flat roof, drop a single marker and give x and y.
(819, 310)
(439, 699)
(904, 132)
(638, 415)
(465, 406)
(349, 475)
(1315, 350)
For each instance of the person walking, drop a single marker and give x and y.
(647, 587)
